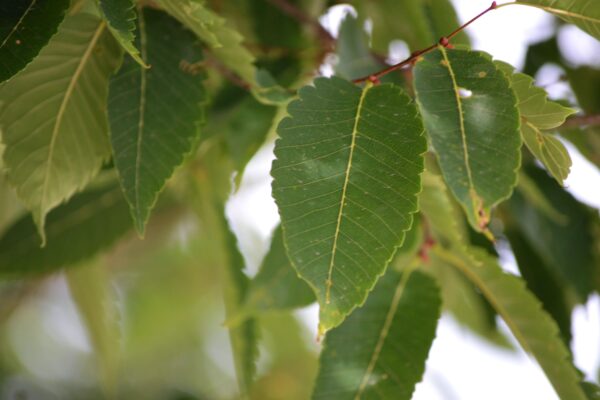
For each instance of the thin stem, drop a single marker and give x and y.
(226, 72)
(444, 41)
(582, 120)
(493, 6)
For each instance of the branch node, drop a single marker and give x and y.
(374, 80)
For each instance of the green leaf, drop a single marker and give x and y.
(443, 20)
(566, 245)
(89, 223)
(542, 281)
(447, 226)
(592, 390)
(10, 207)
(419, 23)
(226, 47)
(549, 150)
(443, 216)
(277, 286)
(535, 330)
(154, 120)
(541, 53)
(120, 17)
(226, 43)
(243, 337)
(25, 28)
(55, 148)
(89, 287)
(345, 180)
(470, 114)
(355, 59)
(587, 141)
(293, 362)
(534, 196)
(247, 128)
(380, 351)
(585, 82)
(583, 13)
(538, 114)
(466, 304)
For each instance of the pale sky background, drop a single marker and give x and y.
(461, 366)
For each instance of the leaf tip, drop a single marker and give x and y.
(140, 226)
(40, 223)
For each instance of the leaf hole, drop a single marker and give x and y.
(465, 93)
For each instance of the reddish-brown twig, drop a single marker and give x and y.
(581, 121)
(444, 41)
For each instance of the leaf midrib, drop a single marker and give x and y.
(389, 319)
(141, 122)
(14, 29)
(329, 282)
(463, 133)
(63, 106)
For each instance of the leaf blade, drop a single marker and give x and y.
(120, 17)
(227, 46)
(54, 149)
(25, 28)
(277, 286)
(389, 368)
(90, 222)
(328, 146)
(537, 114)
(89, 288)
(583, 13)
(533, 327)
(458, 92)
(154, 121)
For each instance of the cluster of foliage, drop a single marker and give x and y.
(395, 190)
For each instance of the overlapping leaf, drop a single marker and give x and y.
(443, 215)
(120, 17)
(154, 113)
(380, 350)
(247, 128)
(90, 222)
(345, 180)
(242, 337)
(89, 288)
(355, 59)
(277, 285)
(533, 327)
(226, 46)
(10, 207)
(537, 115)
(54, 147)
(26, 27)
(566, 244)
(585, 82)
(470, 114)
(226, 43)
(460, 297)
(583, 13)
(417, 22)
(542, 281)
